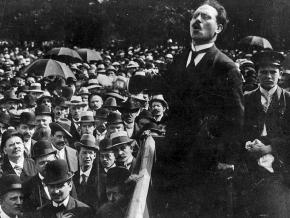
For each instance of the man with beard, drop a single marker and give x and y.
(59, 137)
(130, 110)
(26, 127)
(123, 148)
(58, 180)
(86, 179)
(11, 196)
(14, 161)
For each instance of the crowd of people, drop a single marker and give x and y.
(70, 145)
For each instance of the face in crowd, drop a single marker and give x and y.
(95, 102)
(59, 192)
(87, 128)
(114, 194)
(269, 76)
(47, 102)
(60, 112)
(107, 159)
(123, 152)
(75, 111)
(26, 130)
(11, 203)
(59, 140)
(86, 158)
(43, 120)
(40, 162)
(116, 127)
(14, 148)
(157, 108)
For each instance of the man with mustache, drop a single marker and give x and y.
(14, 161)
(26, 127)
(59, 137)
(159, 107)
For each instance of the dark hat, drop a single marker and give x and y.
(130, 106)
(67, 92)
(42, 148)
(5, 118)
(42, 110)
(21, 74)
(87, 117)
(101, 114)
(268, 57)
(110, 102)
(22, 89)
(45, 95)
(87, 141)
(9, 134)
(57, 172)
(62, 124)
(11, 96)
(145, 114)
(153, 127)
(27, 118)
(117, 176)
(159, 98)
(29, 101)
(120, 138)
(105, 145)
(61, 101)
(114, 118)
(9, 182)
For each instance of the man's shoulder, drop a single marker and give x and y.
(70, 150)
(223, 61)
(78, 203)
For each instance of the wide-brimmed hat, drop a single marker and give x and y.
(114, 118)
(22, 89)
(42, 148)
(87, 117)
(117, 176)
(27, 118)
(130, 106)
(43, 110)
(116, 94)
(105, 145)
(57, 172)
(76, 101)
(93, 84)
(120, 138)
(35, 87)
(10, 182)
(159, 98)
(87, 141)
(101, 114)
(62, 124)
(138, 97)
(83, 91)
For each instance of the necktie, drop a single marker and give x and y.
(59, 208)
(18, 170)
(84, 179)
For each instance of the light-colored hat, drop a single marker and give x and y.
(159, 98)
(76, 100)
(35, 87)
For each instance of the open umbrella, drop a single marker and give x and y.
(255, 42)
(89, 55)
(49, 67)
(64, 54)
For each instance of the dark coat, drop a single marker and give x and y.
(74, 206)
(74, 132)
(89, 192)
(206, 108)
(35, 195)
(28, 171)
(277, 120)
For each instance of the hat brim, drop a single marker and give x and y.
(79, 144)
(54, 182)
(56, 126)
(159, 100)
(51, 151)
(94, 86)
(35, 90)
(115, 95)
(120, 143)
(77, 104)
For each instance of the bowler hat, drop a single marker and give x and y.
(61, 102)
(27, 118)
(101, 114)
(9, 182)
(105, 145)
(117, 176)
(57, 172)
(120, 138)
(62, 124)
(87, 141)
(268, 57)
(130, 106)
(93, 84)
(42, 148)
(43, 110)
(114, 118)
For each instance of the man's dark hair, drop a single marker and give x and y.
(222, 17)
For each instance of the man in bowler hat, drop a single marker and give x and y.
(58, 180)
(11, 196)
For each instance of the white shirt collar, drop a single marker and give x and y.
(270, 92)
(20, 164)
(40, 176)
(61, 152)
(87, 173)
(3, 214)
(201, 47)
(65, 202)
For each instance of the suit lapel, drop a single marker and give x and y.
(71, 203)
(8, 169)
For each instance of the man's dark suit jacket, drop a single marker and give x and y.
(35, 196)
(206, 108)
(78, 208)
(88, 193)
(277, 120)
(28, 171)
